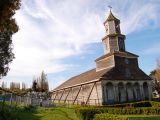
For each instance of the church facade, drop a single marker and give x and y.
(117, 77)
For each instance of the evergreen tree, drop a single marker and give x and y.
(24, 87)
(8, 27)
(34, 85)
(40, 84)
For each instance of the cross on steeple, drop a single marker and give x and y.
(110, 7)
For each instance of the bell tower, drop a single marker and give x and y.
(114, 40)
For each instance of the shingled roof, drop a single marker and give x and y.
(113, 73)
(83, 78)
(118, 53)
(118, 73)
(111, 17)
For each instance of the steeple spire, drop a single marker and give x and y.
(114, 40)
(111, 17)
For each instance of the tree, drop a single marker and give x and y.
(157, 78)
(15, 86)
(4, 85)
(34, 85)
(23, 86)
(40, 84)
(8, 27)
(155, 75)
(44, 82)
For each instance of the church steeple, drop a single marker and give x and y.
(114, 40)
(111, 17)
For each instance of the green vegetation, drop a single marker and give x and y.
(62, 112)
(8, 27)
(23, 112)
(134, 109)
(87, 113)
(38, 113)
(105, 116)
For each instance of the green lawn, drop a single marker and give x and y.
(64, 113)
(144, 117)
(59, 113)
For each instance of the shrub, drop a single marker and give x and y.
(155, 104)
(105, 116)
(132, 104)
(8, 113)
(88, 113)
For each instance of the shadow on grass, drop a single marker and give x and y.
(29, 113)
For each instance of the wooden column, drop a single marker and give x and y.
(149, 90)
(97, 93)
(115, 87)
(142, 92)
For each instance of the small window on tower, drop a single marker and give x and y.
(126, 61)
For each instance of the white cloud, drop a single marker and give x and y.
(152, 50)
(52, 30)
(136, 15)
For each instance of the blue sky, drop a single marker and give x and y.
(63, 37)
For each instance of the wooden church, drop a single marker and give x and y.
(117, 77)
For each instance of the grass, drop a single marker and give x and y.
(59, 113)
(64, 113)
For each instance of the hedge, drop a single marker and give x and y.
(134, 104)
(155, 104)
(88, 113)
(105, 116)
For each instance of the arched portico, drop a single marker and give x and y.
(137, 91)
(129, 91)
(122, 92)
(145, 89)
(109, 93)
